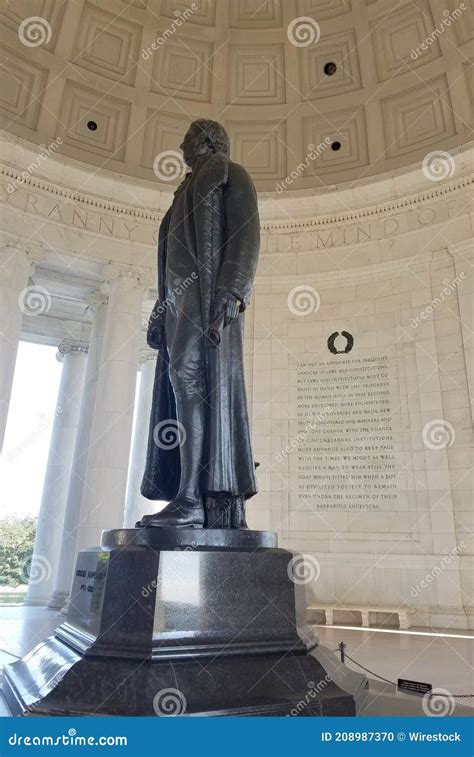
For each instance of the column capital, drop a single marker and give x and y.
(33, 250)
(96, 300)
(67, 346)
(36, 254)
(146, 355)
(6, 240)
(113, 271)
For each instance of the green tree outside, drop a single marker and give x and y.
(17, 536)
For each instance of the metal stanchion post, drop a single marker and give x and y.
(342, 647)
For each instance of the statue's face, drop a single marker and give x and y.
(194, 144)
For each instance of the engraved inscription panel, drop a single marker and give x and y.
(347, 440)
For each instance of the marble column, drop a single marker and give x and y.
(17, 261)
(136, 505)
(58, 472)
(67, 556)
(103, 500)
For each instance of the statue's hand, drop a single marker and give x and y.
(227, 304)
(156, 327)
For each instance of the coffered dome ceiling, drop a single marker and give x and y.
(312, 92)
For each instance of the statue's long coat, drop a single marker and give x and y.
(223, 233)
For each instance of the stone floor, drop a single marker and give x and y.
(421, 654)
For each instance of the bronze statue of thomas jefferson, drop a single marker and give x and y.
(199, 454)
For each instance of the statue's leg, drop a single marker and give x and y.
(191, 416)
(186, 376)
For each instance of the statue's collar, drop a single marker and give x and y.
(210, 172)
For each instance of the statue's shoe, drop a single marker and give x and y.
(178, 514)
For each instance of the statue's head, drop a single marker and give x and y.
(203, 138)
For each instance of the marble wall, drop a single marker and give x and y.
(366, 455)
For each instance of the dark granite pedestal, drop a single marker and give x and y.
(191, 622)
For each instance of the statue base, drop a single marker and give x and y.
(188, 622)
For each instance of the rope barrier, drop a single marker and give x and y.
(393, 683)
(10, 653)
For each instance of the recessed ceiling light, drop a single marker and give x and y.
(330, 68)
(91, 125)
(336, 146)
